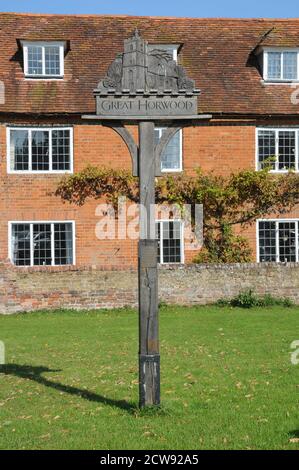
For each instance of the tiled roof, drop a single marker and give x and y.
(217, 53)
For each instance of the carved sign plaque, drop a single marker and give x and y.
(143, 82)
(146, 106)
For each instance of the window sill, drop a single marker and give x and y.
(283, 171)
(30, 173)
(279, 82)
(172, 171)
(279, 172)
(43, 77)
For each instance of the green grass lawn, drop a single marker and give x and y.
(227, 381)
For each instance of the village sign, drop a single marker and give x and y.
(146, 86)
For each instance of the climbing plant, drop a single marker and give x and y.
(230, 201)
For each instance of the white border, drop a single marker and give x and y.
(276, 130)
(43, 44)
(11, 222)
(174, 170)
(182, 244)
(265, 64)
(290, 219)
(41, 128)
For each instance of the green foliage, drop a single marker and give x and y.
(228, 201)
(248, 299)
(98, 183)
(224, 248)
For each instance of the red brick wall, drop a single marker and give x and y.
(222, 147)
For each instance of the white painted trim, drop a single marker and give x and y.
(31, 223)
(276, 242)
(289, 219)
(297, 240)
(182, 244)
(52, 245)
(71, 129)
(171, 170)
(277, 130)
(277, 221)
(43, 44)
(279, 82)
(281, 50)
(41, 128)
(257, 241)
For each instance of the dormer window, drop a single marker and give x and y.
(43, 59)
(171, 48)
(281, 65)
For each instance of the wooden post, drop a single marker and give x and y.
(149, 357)
(140, 86)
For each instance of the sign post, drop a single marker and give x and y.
(148, 88)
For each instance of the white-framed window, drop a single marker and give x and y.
(39, 150)
(280, 144)
(281, 64)
(172, 157)
(171, 48)
(170, 236)
(278, 240)
(43, 59)
(42, 243)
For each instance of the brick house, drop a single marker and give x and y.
(247, 71)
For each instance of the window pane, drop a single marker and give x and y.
(267, 241)
(63, 243)
(274, 65)
(61, 149)
(286, 159)
(171, 242)
(35, 60)
(171, 157)
(158, 237)
(19, 150)
(287, 242)
(290, 65)
(52, 59)
(40, 150)
(20, 244)
(42, 244)
(266, 147)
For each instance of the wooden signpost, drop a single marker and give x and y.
(148, 88)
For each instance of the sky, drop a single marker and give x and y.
(189, 8)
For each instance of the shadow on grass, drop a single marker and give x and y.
(34, 373)
(294, 433)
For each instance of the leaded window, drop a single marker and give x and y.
(278, 148)
(40, 150)
(170, 241)
(43, 59)
(281, 65)
(171, 158)
(278, 241)
(42, 243)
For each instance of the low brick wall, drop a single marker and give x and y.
(31, 289)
